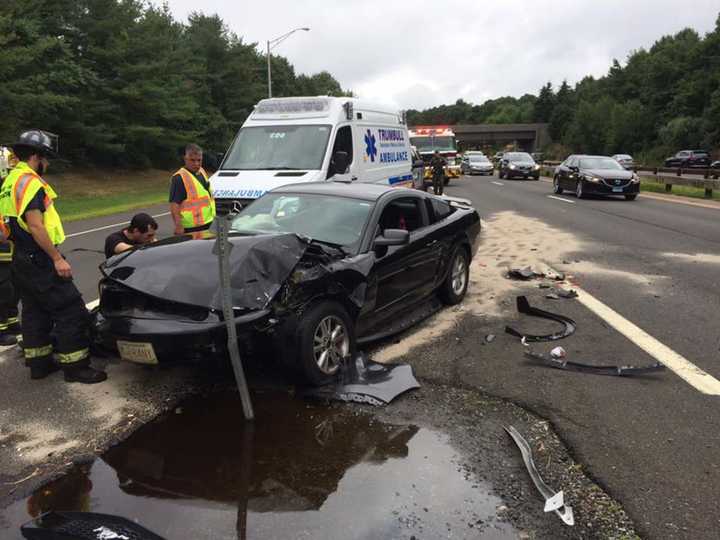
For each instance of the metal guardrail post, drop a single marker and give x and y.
(222, 250)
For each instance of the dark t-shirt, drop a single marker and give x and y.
(23, 240)
(437, 163)
(178, 193)
(113, 240)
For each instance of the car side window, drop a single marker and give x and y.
(343, 143)
(404, 213)
(441, 209)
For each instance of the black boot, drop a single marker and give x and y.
(83, 374)
(7, 339)
(41, 368)
(15, 329)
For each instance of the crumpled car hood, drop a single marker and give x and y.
(185, 269)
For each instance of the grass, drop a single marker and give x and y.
(684, 191)
(94, 193)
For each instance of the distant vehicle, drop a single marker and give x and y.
(428, 139)
(689, 158)
(626, 160)
(514, 164)
(715, 165)
(315, 267)
(418, 170)
(595, 175)
(476, 163)
(294, 140)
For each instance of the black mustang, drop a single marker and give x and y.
(315, 267)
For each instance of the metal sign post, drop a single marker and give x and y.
(222, 250)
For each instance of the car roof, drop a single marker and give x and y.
(355, 190)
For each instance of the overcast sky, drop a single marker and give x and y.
(417, 54)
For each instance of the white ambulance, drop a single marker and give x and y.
(310, 139)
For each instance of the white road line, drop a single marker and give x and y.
(693, 375)
(109, 226)
(498, 183)
(560, 199)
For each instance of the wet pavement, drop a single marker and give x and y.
(302, 470)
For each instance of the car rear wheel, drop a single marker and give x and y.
(326, 340)
(455, 285)
(631, 196)
(579, 190)
(500, 174)
(556, 186)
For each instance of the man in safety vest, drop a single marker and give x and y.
(55, 323)
(9, 325)
(191, 203)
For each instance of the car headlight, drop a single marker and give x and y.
(537, 167)
(593, 179)
(512, 166)
(635, 178)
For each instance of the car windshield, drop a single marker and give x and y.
(326, 218)
(599, 163)
(278, 148)
(430, 144)
(478, 159)
(623, 156)
(518, 156)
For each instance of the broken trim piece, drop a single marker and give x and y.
(524, 307)
(554, 502)
(620, 371)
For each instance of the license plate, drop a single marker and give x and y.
(617, 190)
(140, 353)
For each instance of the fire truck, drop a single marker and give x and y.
(427, 139)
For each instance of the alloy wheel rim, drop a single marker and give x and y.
(331, 344)
(579, 190)
(459, 275)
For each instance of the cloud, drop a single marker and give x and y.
(416, 54)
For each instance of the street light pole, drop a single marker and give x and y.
(273, 43)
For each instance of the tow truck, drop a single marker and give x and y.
(428, 139)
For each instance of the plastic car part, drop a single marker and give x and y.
(365, 381)
(620, 371)
(554, 502)
(84, 525)
(524, 307)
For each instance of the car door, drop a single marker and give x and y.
(403, 272)
(565, 172)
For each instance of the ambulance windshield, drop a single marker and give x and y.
(430, 144)
(277, 148)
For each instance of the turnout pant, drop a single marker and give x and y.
(55, 319)
(8, 299)
(438, 182)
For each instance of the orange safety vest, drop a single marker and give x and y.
(199, 207)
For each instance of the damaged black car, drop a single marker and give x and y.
(315, 267)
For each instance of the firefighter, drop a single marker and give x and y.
(438, 164)
(55, 319)
(9, 325)
(191, 203)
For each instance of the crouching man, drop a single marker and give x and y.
(141, 231)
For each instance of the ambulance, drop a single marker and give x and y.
(309, 139)
(428, 139)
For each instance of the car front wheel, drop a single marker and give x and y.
(455, 285)
(579, 190)
(326, 340)
(556, 186)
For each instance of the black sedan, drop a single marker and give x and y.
(595, 175)
(688, 159)
(315, 268)
(518, 164)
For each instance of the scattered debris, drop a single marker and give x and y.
(523, 274)
(567, 293)
(620, 371)
(523, 306)
(489, 338)
(365, 381)
(85, 526)
(552, 296)
(554, 502)
(544, 286)
(558, 352)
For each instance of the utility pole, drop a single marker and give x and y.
(273, 43)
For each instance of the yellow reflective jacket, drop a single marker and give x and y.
(199, 207)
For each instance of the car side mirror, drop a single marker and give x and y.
(341, 160)
(573, 168)
(393, 237)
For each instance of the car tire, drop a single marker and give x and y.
(536, 178)
(579, 193)
(500, 174)
(325, 338)
(556, 186)
(631, 196)
(453, 289)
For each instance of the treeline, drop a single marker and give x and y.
(125, 84)
(662, 100)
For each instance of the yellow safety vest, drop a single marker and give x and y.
(199, 207)
(19, 188)
(6, 246)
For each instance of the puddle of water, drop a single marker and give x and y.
(302, 471)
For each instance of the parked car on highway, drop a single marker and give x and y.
(316, 267)
(595, 175)
(626, 160)
(514, 164)
(689, 158)
(476, 164)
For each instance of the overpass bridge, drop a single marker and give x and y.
(526, 137)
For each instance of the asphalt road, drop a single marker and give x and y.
(652, 443)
